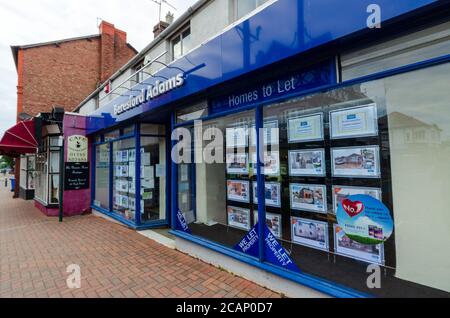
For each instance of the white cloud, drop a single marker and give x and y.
(30, 21)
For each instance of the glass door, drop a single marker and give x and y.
(153, 176)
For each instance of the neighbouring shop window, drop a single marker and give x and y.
(31, 171)
(153, 179)
(192, 113)
(102, 164)
(124, 178)
(181, 43)
(381, 139)
(41, 180)
(23, 172)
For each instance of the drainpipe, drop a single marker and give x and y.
(61, 176)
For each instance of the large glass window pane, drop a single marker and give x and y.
(153, 179)
(102, 164)
(177, 48)
(41, 178)
(124, 178)
(380, 139)
(222, 210)
(54, 161)
(54, 189)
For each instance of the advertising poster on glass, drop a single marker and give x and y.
(343, 245)
(236, 137)
(271, 165)
(305, 128)
(307, 163)
(271, 133)
(132, 155)
(341, 193)
(358, 162)
(238, 217)
(309, 233)
(308, 197)
(237, 163)
(273, 222)
(361, 121)
(272, 194)
(238, 191)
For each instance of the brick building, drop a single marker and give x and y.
(62, 73)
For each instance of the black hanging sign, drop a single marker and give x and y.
(76, 176)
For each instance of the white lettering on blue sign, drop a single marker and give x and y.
(182, 221)
(152, 91)
(248, 241)
(277, 250)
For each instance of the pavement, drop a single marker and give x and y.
(114, 261)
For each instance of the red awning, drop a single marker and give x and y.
(19, 139)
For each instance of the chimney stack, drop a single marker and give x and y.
(162, 25)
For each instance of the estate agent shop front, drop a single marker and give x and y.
(354, 147)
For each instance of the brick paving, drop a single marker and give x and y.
(115, 261)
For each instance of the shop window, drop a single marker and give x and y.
(124, 178)
(181, 43)
(401, 51)
(102, 164)
(350, 141)
(190, 113)
(112, 135)
(41, 179)
(154, 130)
(128, 130)
(215, 198)
(31, 172)
(153, 179)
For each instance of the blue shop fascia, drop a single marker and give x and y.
(324, 83)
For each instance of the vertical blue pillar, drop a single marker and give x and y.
(174, 174)
(260, 179)
(111, 175)
(137, 173)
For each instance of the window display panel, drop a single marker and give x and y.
(223, 209)
(102, 164)
(153, 178)
(124, 200)
(371, 144)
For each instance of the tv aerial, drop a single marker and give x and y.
(160, 3)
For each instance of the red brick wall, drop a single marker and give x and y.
(65, 74)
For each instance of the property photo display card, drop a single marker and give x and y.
(237, 163)
(238, 217)
(273, 222)
(357, 162)
(343, 245)
(308, 197)
(236, 137)
(307, 162)
(305, 128)
(271, 133)
(238, 191)
(354, 122)
(310, 233)
(272, 194)
(271, 165)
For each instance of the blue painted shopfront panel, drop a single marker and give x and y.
(283, 29)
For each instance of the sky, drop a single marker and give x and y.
(29, 21)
